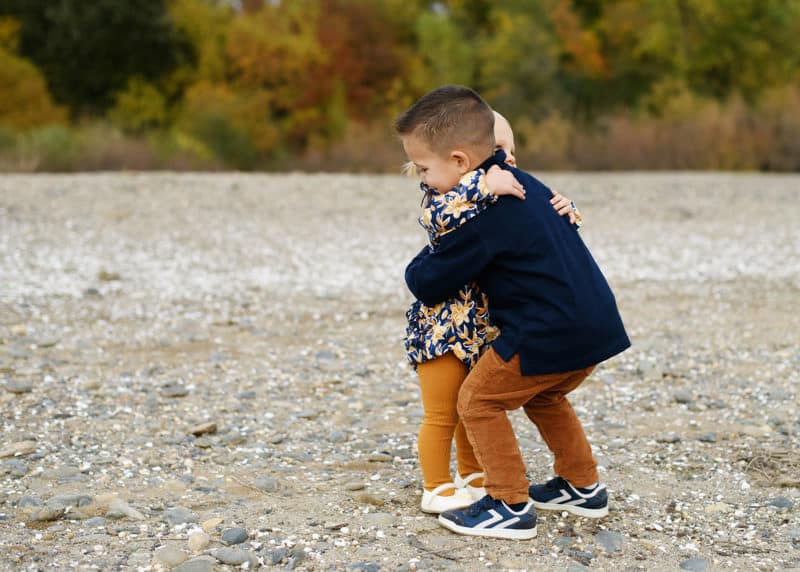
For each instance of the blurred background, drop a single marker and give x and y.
(314, 84)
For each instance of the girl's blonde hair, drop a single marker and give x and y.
(409, 169)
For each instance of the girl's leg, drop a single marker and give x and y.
(439, 382)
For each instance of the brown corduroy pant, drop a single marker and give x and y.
(493, 388)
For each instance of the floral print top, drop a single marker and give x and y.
(461, 324)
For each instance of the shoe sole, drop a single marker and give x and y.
(506, 533)
(576, 510)
(429, 510)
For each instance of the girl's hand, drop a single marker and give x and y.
(500, 182)
(566, 207)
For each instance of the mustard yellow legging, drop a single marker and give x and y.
(439, 381)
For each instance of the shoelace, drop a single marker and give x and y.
(485, 503)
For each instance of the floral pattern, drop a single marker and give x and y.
(461, 324)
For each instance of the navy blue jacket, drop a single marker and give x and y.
(546, 294)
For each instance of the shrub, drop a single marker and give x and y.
(24, 99)
(139, 107)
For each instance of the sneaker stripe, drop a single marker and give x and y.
(565, 496)
(510, 522)
(489, 522)
(582, 495)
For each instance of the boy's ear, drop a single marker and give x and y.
(461, 159)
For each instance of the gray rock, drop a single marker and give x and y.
(683, 396)
(95, 522)
(379, 519)
(609, 541)
(266, 483)
(231, 556)
(337, 437)
(170, 556)
(63, 474)
(585, 557)
(296, 556)
(179, 515)
(668, 438)
(234, 536)
(781, 502)
(199, 564)
(708, 438)
(278, 555)
(17, 468)
(563, 541)
(26, 501)
(174, 391)
(695, 564)
(19, 386)
(354, 486)
(64, 501)
(576, 567)
(364, 566)
(118, 509)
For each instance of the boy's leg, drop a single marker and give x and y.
(562, 431)
(492, 388)
(467, 461)
(439, 382)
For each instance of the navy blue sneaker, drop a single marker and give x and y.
(559, 494)
(492, 517)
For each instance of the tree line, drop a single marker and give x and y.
(277, 84)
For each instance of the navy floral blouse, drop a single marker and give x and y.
(461, 324)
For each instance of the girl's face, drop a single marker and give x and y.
(504, 138)
(441, 173)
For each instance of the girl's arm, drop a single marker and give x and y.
(566, 207)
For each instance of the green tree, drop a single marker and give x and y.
(88, 51)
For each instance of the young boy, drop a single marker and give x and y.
(556, 314)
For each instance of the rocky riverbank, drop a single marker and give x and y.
(202, 372)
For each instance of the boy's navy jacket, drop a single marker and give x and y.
(546, 294)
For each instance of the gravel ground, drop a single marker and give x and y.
(206, 371)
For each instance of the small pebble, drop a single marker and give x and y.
(19, 386)
(234, 536)
(610, 541)
(203, 428)
(266, 483)
(695, 564)
(198, 540)
(179, 515)
(781, 502)
(170, 556)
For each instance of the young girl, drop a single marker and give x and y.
(444, 341)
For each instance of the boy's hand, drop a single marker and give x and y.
(500, 182)
(565, 207)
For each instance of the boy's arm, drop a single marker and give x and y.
(461, 256)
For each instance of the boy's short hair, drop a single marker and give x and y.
(449, 117)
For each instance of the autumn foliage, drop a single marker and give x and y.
(314, 84)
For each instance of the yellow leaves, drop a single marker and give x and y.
(276, 48)
(139, 106)
(9, 33)
(24, 99)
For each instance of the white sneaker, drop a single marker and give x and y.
(434, 504)
(475, 493)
